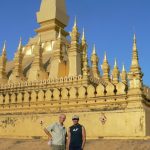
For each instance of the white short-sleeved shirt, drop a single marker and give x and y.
(58, 133)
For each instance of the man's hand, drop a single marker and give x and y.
(49, 141)
(49, 138)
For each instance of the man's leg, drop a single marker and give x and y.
(71, 148)
(63, 147)
(55, 147)
(79, 148)
(75, 148)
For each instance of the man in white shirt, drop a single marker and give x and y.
(57, 134)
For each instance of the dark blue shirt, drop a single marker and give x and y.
(76, 135)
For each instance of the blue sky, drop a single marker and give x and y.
(110, 24)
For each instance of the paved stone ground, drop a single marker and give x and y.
(11, 144)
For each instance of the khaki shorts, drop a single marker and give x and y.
(58, 147)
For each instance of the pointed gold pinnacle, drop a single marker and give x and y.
(83, 35)
(75, 22)
(123, 68)
(115, 65)
(20, 44)
(94, 49)
(134, 43)
(105, 56)
(4, 47)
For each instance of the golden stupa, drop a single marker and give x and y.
(51, 75)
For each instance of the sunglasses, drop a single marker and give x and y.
(75, 119)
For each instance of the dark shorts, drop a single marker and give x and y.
(75, 148)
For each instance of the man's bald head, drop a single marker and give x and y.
(62, 118)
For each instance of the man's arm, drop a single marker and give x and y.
(83, 137)
(48, 134)
(48, 131)
(69, 137)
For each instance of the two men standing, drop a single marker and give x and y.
(57, 134)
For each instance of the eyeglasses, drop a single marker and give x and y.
(75, 119)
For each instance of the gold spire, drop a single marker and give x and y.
(115, 73)
(135, 75)
(106, 69)
(17, 74)
(37, 70)
(85, 68)
(3, 61)
(4, 48)
(105, 56)
(75, 27)
(83, 35)
(134, 41)
(83, 52)
(83, 41)
(135, 60)
(94, 62)
(94, 49)
(75, 22)
(75, 34)
(123, 68)
(115, 64)
(20, 44)
(37, 54)
(75, 52)
(123, 75)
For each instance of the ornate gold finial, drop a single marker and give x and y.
(135, 75)
(94, 62)
(106, 69)
(17, 74)
(94, 49)
(4, 47)
(3, 61)
(134, 43)
(123, 75)
(115, 73)
(83, 35)
(20, 44)
(123, 68)
(75, 22)
(75, 34)
(105, 56)
(83, 41)
(135, 60)
(115, 64)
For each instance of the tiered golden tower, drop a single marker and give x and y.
(52, 75)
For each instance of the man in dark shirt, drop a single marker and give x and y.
(76, 135)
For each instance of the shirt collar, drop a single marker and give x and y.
(62, 125)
